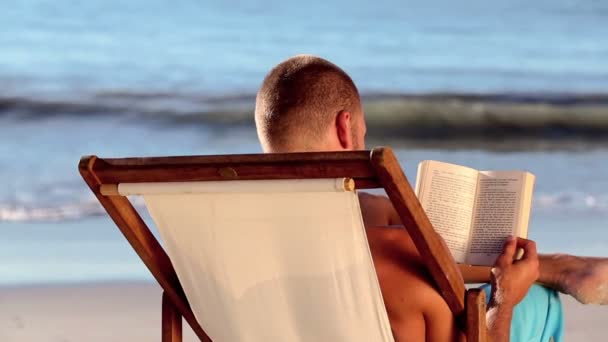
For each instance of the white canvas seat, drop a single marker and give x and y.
(271, 247)
(270, 260)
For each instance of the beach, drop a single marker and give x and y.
(131, 312)
(84, 312)
(493, 86)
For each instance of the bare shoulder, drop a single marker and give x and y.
(375, 201)
(416, 310)
(377, 210)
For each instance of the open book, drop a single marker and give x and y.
(474, 211)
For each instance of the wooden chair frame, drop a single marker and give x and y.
(378, 168)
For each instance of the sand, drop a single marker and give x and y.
(131, 312)
(82, 313)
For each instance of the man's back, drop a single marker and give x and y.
(416, 311)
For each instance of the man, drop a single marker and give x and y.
(308, 104)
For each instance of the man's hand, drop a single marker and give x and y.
(511, 279)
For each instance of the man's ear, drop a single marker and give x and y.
(343, 129)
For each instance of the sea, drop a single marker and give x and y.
(491, 85)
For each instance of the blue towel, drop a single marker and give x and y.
(538, 317)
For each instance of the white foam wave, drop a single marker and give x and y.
(69, 211)
(574, 201)
(26, 211)
(21, 212)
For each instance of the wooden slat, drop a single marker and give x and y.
(475, 274)
(436, 256)
(268, 158)
(171, 330)
(144, 243)
(239, 167)
(476, 316)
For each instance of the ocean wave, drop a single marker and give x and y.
(121, 103)
(574, 203)
(27, 212)
(423, 117)
(57, 201)
(69, 211)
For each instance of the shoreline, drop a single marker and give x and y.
(130, 311)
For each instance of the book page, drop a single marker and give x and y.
(447, 195)
(497, 214)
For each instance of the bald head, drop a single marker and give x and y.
(299, 101)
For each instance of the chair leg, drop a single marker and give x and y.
(171, 322)
(476, 316)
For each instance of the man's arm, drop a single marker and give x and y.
(510, 279)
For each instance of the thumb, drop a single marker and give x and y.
(508, 252)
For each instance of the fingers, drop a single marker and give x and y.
(508, 252)
(529, 248)
(510, 248)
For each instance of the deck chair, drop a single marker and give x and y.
(271, 246)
